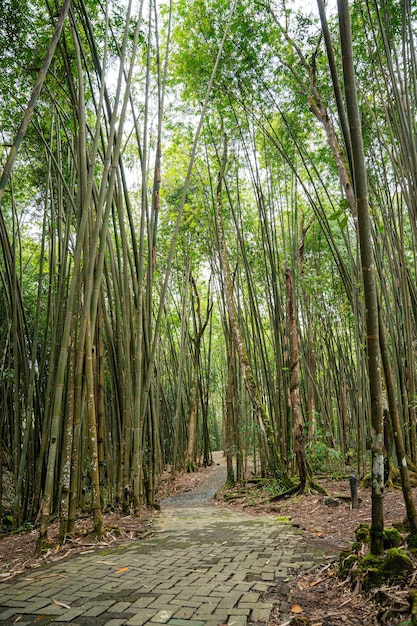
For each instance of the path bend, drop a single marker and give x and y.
(204, 565)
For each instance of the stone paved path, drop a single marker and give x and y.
(203, 566)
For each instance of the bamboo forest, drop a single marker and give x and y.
(208, 230)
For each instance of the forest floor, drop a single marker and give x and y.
(319, 597)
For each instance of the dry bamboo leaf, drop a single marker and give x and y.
(316, 582)
(58, 603)
(355, 593)
(122, 569)
(296, 608)
(18, 618)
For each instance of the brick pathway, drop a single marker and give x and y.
(203, 566)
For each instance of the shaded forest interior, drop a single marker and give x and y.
(208, 241)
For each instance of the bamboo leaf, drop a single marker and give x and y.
(58, 603)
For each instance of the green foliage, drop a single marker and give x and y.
(197, 38)
(323, 458)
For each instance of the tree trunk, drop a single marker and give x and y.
(199, 328)
(228, 435)
(369, 281)
(397, 429)
(299, 443)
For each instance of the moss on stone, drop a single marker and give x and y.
(392, 538)
(397, 566)
(363, 533)
(394, 568)
(369, 571)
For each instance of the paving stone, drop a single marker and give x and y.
(162, 617)
(239, 611)
(69, 615)
(51, 609)
(34, 607)
(23, 595)
(161, 601)
(119, 607)
(230, 601)
(98, 609)
(6, 615)
(141, 618)
(191, 604)
(260, 614)
(185, 613)
(14, 602)
(185, 622)
(249, 597)
(207, 617)
(142, 602)
(203, 567)
(261, 587)
(237, 620)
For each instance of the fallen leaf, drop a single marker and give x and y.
(122, 569)
(18, 618)
(296, 608)
(318, 533)
(316, 582)
(57, 549)
(58, 603)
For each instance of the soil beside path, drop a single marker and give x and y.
(204, 565)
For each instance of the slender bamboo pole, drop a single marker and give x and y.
(369, 281)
